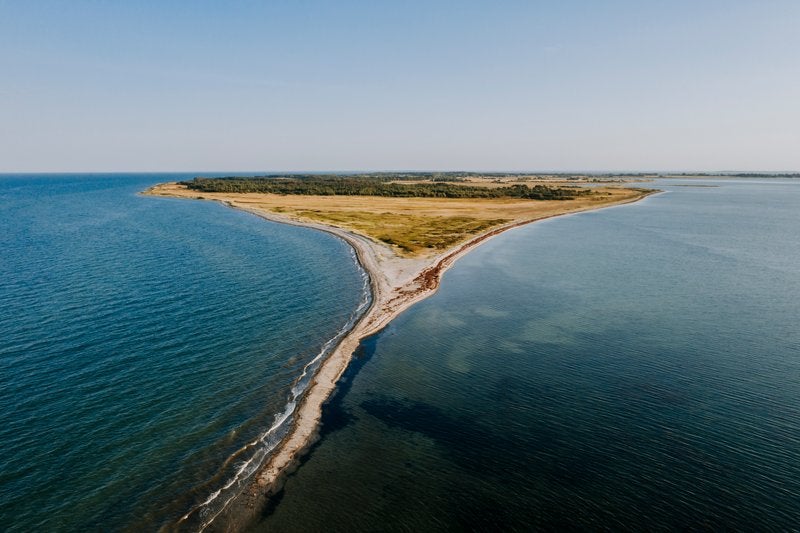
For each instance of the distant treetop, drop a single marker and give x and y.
(438, 185)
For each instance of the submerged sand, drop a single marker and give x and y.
(397, 283)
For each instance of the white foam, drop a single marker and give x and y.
(270, 437)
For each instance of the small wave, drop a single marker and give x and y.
(271, 437)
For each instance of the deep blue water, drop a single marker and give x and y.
(635, 368)
(145, 340)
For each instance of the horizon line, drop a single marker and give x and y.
(373, 171)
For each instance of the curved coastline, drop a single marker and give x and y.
(396, 284)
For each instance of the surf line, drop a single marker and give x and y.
(273, 436)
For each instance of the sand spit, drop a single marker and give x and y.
(397, 283)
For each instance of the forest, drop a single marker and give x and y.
(378, 185)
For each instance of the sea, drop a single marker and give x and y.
(151, 349)
(633, 368)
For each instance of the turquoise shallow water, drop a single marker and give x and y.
(143, 341)
(636, 368)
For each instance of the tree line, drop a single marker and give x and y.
(369, 186)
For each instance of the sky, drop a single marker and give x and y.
(567, 85)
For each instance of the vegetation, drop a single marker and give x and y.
(410, 233)
(412, 226)
(439, 186)
(452, 176)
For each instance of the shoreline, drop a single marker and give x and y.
(396, 283)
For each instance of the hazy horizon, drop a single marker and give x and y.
(402, 170)
(315, 86)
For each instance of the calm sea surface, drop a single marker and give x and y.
(636, 368)
(143, 341)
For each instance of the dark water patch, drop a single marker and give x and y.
(465, 441)
(335, 415)
(272, 503)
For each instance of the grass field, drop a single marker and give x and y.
(409, 233)
(412, 226)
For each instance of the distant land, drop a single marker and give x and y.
(459, 176)
(413, 213)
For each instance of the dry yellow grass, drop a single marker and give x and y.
(409, 233)
(413, 226)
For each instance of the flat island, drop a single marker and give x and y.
(406, 230)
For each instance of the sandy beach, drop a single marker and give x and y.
(397, 283)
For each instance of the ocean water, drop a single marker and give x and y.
(147, 345)
(635, 368)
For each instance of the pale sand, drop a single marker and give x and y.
(397, 284)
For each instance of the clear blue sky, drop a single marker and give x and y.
(343, 85)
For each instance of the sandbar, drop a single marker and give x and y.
(397, 282)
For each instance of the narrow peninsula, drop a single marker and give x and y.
(406, 230)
